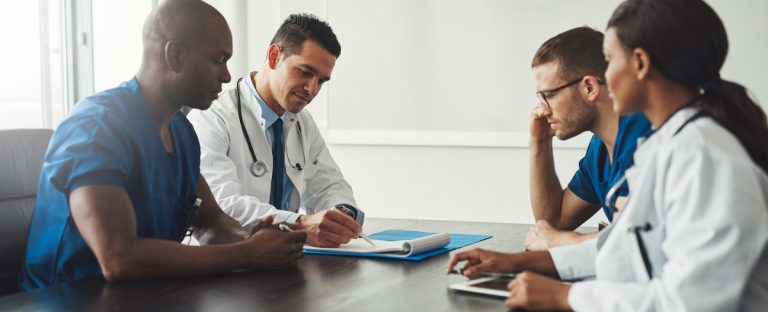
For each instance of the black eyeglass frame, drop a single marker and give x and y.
(542, 95)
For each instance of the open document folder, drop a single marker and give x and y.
(401, 244)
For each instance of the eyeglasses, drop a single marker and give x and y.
(542, 95)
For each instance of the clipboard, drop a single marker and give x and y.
(423, 245)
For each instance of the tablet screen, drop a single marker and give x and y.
(499, 283)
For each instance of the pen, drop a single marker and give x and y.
(459, 271)
(367, 239)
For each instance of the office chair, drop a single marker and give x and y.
(21, 158)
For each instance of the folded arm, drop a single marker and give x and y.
(214, 226)
(105, 218)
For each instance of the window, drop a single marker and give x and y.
(53, 58)
(32, 64)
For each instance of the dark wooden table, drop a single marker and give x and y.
(319, 283)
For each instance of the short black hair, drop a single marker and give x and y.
(300, 27)
(578, 51)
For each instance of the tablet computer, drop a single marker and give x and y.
(490, 286)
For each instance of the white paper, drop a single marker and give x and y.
(404, 247)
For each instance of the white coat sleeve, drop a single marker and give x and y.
(220, 172)
(326, 186)
(716, 228)
(575, 261)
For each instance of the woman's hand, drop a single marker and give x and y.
(481, 260)
(532, 291)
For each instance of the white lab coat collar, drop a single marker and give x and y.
(673, 124)
(289, 119)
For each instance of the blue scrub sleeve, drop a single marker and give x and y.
(581, 184)
(88, 151)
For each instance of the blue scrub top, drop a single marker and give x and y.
(109, 139)
(596, 174)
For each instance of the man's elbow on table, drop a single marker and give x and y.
(119, 262)
(115, 268)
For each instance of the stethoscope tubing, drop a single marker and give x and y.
(259, 167)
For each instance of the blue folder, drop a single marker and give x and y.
(457, 241)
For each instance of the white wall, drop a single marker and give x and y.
(446, 167)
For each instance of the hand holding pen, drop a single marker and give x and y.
(329, 228)
(285, 227)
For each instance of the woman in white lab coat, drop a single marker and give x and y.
(692, 235)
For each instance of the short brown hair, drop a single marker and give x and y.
(578, 51)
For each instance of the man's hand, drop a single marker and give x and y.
(329, 228)
(270, 248)
(480, 261)
(543, 236)
(532, 291)
(540, 128)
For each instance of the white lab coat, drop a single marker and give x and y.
(226, 161)
(706, 203)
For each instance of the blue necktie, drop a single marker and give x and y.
(278, 165)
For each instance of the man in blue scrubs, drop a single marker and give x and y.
(569, 72)
(121, 179)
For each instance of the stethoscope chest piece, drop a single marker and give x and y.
(258, 168)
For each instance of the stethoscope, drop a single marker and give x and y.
(610, 203)
(259, 167)
(611, 196)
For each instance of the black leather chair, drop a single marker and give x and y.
(21, 158)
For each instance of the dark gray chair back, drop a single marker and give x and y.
(21, 158)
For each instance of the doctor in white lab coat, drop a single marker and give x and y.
(692, 235)
(237, 140)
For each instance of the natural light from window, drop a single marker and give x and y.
(20, 100)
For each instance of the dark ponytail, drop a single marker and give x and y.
(687, 43)
(730, 105)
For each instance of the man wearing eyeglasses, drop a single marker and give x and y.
(569, 74)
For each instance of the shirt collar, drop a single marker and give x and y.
(266, 112)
